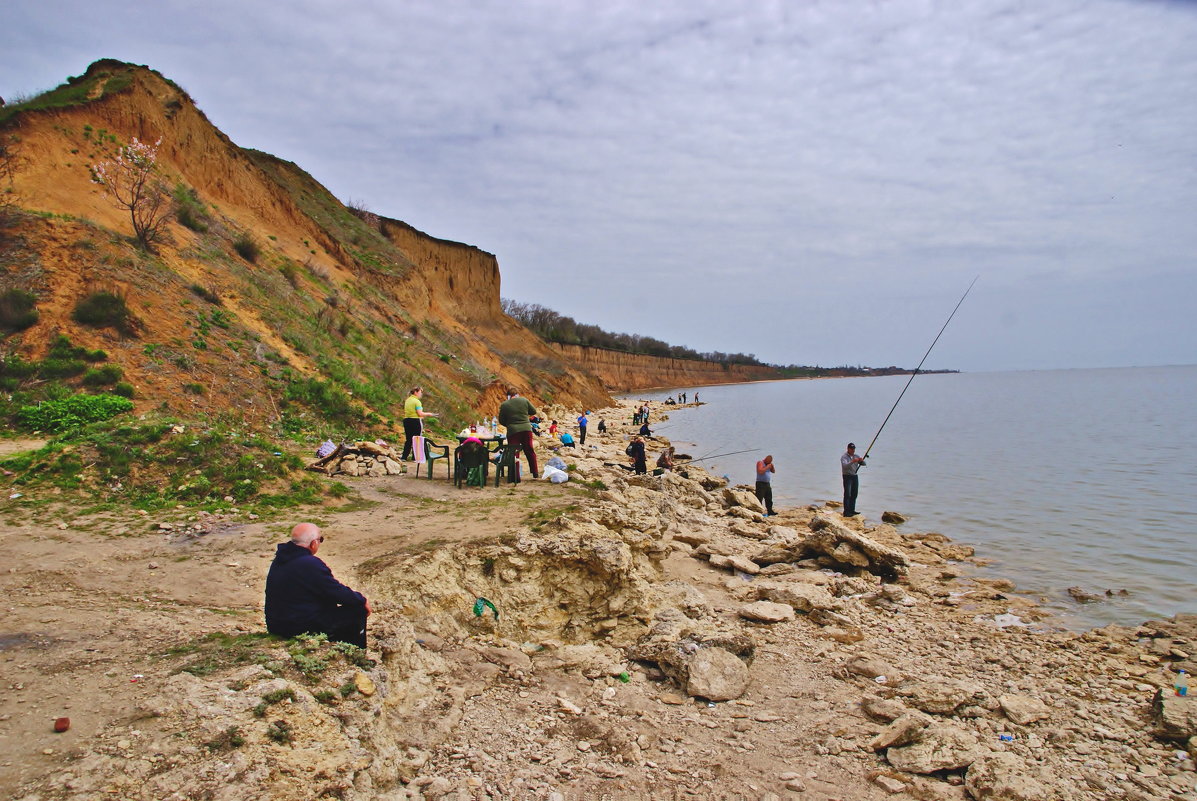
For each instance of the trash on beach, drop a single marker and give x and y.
(16, 495)
(1003, 620)
(480, 605)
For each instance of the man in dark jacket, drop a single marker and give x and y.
(302, 596)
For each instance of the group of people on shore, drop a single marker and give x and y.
(303, 596)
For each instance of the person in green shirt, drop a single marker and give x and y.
(514, 415)
(413, 419)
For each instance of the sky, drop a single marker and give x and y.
(813, 182)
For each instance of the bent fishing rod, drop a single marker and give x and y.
(917, 369)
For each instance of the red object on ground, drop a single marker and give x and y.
(62, 724)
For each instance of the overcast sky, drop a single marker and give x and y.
(812, 182)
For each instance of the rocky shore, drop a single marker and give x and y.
(652, 637)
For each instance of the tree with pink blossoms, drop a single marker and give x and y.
(133, 184)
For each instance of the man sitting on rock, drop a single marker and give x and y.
(303, 597)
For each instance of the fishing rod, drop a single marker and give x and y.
(716, 456)
(920, 367)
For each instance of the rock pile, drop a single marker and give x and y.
(363, 458)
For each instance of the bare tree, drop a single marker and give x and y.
(9, 163)
(133, 183)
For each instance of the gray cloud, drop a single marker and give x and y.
(812, 182)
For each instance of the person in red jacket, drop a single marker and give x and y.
(303, 597)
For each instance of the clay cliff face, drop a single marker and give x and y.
(332, 294)
(367, 302)
(626, 372)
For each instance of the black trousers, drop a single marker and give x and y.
(412, 427)
(851, 489)
(581, 435)
(764, 494)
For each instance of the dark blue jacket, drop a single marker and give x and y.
(300, 590)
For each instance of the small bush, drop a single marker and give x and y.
(246, 247)
(227, 740)
(124, 389)
(61, 368)
(291, 274)
(280, 732)
(193, 389)
(189, 211)
(72, 412)
(61, 347)
(104, 309)
(18, 310)
(206, 293)
(338, 490)
(104, 376)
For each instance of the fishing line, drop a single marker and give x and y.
(920, 367)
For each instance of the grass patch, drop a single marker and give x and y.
(105, 309)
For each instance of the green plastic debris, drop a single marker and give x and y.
(480, 606)
(624, 677)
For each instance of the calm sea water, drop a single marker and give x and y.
(1062, 478)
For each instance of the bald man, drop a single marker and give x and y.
(303, 597)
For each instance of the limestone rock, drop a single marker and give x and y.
(1175, 717)
(802, 597)
(1003, 776)
(767, 612)
(364, 684)
(692, 537)
(1022, 709)
(716, 675)
(872, 667)
(937, 695)
(850, 549)
(744, 498)
(938, 747)
(893, 518)
(888, 709)
(743, 528)
(906, 729)
(736, 562)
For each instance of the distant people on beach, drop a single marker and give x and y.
(413, 420)
(516, 415)
(764, 483)
(665, 460)
(696, 397)
(602, 426)
(849, 464)
(553, 429)
(583, 421)
(635, 452)
(302, 595)
(644, 432)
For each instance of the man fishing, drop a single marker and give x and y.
(764, 483)
(849, 464)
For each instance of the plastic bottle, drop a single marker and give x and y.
(1181, 683)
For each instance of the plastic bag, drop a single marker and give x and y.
(554, 475)
(325, 449)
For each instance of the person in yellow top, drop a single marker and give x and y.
(413, 419)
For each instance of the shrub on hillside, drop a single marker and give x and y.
(72, 412)
(103, 376)
(189, 211)
(124, 389)
(105, 309)
(246, 247)
(61, 347)
(18, 310)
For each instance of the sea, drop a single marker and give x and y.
(1058, 478)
